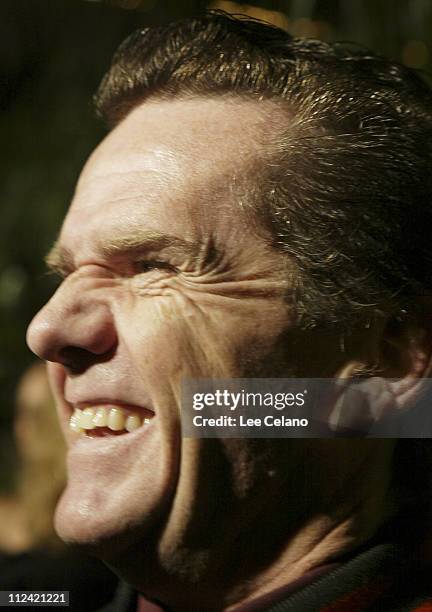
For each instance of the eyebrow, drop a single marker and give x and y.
(61, 261)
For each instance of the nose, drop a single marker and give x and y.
(75, 328)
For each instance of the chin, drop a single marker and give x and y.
(108, 523)
(78, 525)
(93, 534)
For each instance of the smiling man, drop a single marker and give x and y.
(257, 210)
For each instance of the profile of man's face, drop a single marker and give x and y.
(165, 278)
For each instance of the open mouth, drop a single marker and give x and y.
(99, 421)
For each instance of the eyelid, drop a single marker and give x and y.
(147, 265)
(141, 266)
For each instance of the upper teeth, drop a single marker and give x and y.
(115, 419)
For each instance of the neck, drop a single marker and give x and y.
(339, 500)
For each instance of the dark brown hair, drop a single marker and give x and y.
(347, 190)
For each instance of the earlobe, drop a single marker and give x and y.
(360, 404)
(392, 385)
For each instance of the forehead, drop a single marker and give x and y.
(180, 131)
(165, 161)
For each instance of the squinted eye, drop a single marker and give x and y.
(144, 266)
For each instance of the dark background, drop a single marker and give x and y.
(53, 54)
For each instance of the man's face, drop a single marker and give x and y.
(164, 278)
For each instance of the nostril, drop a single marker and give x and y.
(76, 359)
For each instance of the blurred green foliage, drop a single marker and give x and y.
(52, 56)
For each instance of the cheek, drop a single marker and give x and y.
(197, 334)
(56, 378)
(172, 336)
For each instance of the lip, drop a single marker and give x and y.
(80, 402)
(118, 391)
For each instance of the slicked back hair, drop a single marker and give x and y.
(347, 188)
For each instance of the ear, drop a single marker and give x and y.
(406, 355)
(397, 380)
